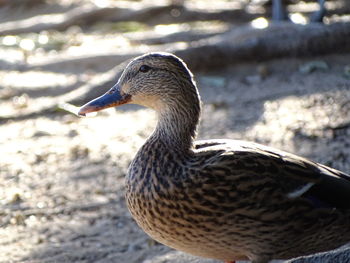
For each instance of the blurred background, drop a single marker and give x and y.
(284, 82)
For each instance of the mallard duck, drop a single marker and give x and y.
(221, 199)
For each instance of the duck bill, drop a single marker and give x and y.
(111, 98)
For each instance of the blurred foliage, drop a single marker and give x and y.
(46, 40)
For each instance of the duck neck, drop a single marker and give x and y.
(177, 125)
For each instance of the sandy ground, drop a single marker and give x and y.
(62, 176)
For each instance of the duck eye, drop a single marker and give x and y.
(144, 68)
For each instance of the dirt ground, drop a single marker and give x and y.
(62, 177)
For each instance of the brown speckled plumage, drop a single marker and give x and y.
(222, 199)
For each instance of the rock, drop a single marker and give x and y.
(263, 71)
(253, 79)
(178, 257)
(313, 66)
(340, 255)
(40, 134)
(214, 81)
(72, 133)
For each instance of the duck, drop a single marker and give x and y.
(222, 199)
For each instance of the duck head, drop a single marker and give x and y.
(155, 80)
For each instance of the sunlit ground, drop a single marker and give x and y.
(62, 176)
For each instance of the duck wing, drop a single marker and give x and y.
(295, 176)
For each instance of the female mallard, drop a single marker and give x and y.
(222, 199)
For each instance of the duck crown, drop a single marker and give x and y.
(159, 80)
